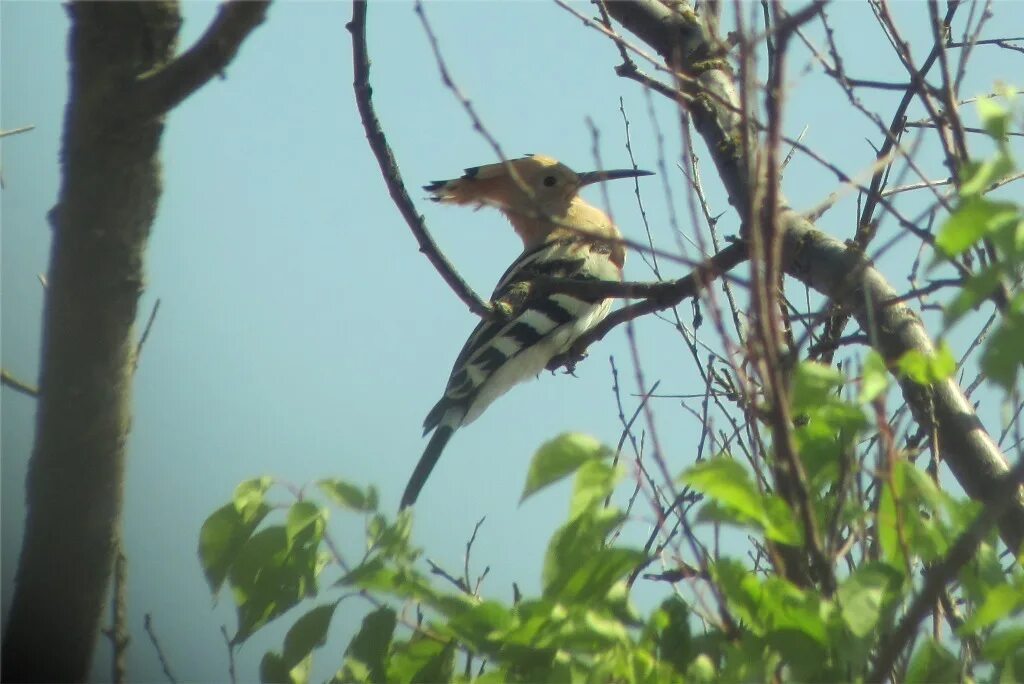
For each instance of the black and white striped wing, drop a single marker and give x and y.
(500, 353)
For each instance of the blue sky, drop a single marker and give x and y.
(302, 335)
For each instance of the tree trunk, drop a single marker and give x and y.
(108, 199)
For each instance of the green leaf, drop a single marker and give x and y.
(560, 457)
(813, 384)
(305, 518)
(366, 658)
(933, 663)
(475, 625)
(1003, 643)
(273, 669)
(978, 177)
(592, 580)
(439, 667)
(928, 370)
(348, 495)
(249, 494)
(1000, 600)
(974, 291)
(672, 633)
(1004, 353)
(975, 218)
(995, 118)
(307, 634)
(573, 545)
(269, 576)
(228, 528)
(595, 481)
(863, 595)
(728, 484)
(874, 378)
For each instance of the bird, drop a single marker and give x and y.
(563, 237)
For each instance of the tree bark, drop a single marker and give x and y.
(122, 80)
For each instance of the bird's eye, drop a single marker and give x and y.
(550, 180)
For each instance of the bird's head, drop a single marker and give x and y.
(533, 182)
(535, 192)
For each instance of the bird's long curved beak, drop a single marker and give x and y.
(599, 176)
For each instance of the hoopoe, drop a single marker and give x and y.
(563, 237)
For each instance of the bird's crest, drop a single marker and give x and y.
(495, 183)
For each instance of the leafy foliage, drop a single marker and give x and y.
(583, 626)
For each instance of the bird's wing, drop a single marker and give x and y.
(503, 351)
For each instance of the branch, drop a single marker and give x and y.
(659, 296)
(829, 266)
(160, 90)
(17, 385)
(147, 623)
(389, 167)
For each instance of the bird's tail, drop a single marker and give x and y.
(427, 462)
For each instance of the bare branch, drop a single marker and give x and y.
(17, 385)
(147, 623)
(160, 90)
(662, 296)
(389, 167)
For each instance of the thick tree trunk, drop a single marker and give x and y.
(124, 78)
(108, 198)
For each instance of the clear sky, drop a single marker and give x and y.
(302, 335)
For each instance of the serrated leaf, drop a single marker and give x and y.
(558, 458)
(874, 378)
(348, 495)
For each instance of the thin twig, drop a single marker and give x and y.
(145, 333)
(16, 131)
(147, 623)
(389, 167)
(232, 676)
(17, 385)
